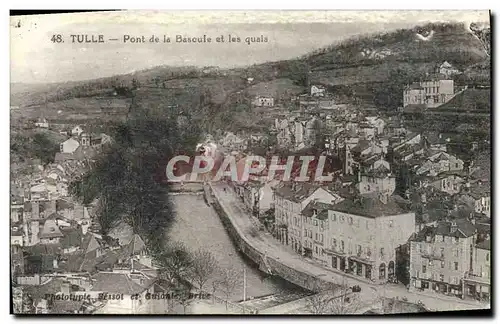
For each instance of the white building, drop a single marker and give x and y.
(318, 91)
(261, 101)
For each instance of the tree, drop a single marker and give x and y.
(175, 262)
(228, 281)
(332, 299)
(182, 295)
(203, 267)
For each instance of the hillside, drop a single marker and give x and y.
(471, 100)
(373, 68)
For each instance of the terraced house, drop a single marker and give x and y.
(441, 256)
(290, 199)
(364, 232)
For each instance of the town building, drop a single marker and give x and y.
(314, 221)
(431, 92)
(477, 283)
(261, 101)
(289, 201)
(440, 256)
(42, 123)
(446, 69)
(440, 162)
(364, 232)
(318, 91)
(76, 131)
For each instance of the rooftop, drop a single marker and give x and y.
(369, 205)
(460, 228)
(120, 283)
(321, 209)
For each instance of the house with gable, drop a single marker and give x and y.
(77, 130)
(50, 232)
(289, 201)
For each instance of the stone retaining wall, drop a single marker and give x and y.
(277, 268)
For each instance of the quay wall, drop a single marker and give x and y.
(266, 263)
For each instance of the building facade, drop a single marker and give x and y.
(441, 256)
(364, 233)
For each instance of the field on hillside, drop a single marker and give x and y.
(278, 88)
(474, 100)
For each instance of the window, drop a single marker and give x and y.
(381, 252)
(305, 233)
(391, 223)
(321, 238)
(457, 240)
(310, 234)
(420, 247)
(456, 265)
(424, 269)
(334, 217)
(316, 248)
(316, 236)
(350, 220)
(342, 218)
(456, 252)
(342, 246)
(315, 222)
(334, 243)
(487, 257)
(441, 277)
(442, 264)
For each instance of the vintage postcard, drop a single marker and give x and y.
(259, 162)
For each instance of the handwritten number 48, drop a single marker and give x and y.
(56, 39)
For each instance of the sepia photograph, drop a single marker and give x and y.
(251, 163)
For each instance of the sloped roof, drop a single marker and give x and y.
(136, 246)
(119, 283)
(464, 229)
(320, 207)
(50, 230)
(295, 192)
(72, 237)
(89, 243)
(66, 306)
(39, 292)
(81, 262)
(370, 206)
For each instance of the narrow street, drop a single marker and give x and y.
(369, 294)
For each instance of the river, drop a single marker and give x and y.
(198, 225)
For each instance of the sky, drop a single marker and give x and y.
(35, 58)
